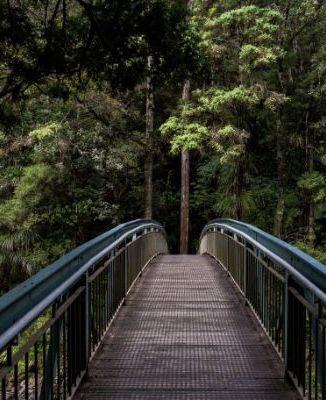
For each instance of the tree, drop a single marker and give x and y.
(148, 190)
(185, 188)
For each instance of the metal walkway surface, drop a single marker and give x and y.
(185, 333)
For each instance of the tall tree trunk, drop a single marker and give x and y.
(311, 239)
(185, 183)
(280, 208)
(148, 168)
(239, 181)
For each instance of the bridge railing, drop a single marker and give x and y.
(51, 325)
(286, 290)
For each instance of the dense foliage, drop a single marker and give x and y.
(72, 120)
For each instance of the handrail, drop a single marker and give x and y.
(277, 258)
(20, 306)
(306, 265)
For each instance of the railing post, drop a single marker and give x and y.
(227, 252)
(110, 291)
(245, 270)
(286, 320)
(51, 358)
(126, 269)
(87, 319)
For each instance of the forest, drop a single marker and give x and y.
(114, 110)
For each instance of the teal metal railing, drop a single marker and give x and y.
(51, 324)
(285, 288)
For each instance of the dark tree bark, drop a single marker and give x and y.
(239, 183)
(148, 168)
(311, 239)
(281, 177)
(185, 183)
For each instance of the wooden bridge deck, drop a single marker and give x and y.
(185, 333)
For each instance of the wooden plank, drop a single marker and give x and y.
(185, 333)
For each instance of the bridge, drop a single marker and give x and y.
(120, 318)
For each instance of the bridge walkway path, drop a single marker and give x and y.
(185, 333)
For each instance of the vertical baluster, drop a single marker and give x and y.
(16, 382)
(26, 376)
(298, 341)
(277, 314)
(310, 356)
(101, 303)
(273, 308)
(75, 340)
(69, 350)
(265, 298)
(109, 291)
(106, 293)
(79, 329)
(45, 378)
(245, 270)
(126, 268)
(58, 334)
(87, 318)
(4, 389)
(36, 370)
(269, 302)
(51, 363)
(316, 352)
(96, 310)
(286, 320)
(323, 364)
(64, 355)
(92, 313)
(280, 316)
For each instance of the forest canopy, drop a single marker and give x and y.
(98, 99)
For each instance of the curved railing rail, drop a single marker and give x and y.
(286, 290)
(51, 324)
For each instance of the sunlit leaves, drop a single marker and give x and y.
(254, 57)
(230, 143)
(185, 136)
(45, 132)
(217, 100)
